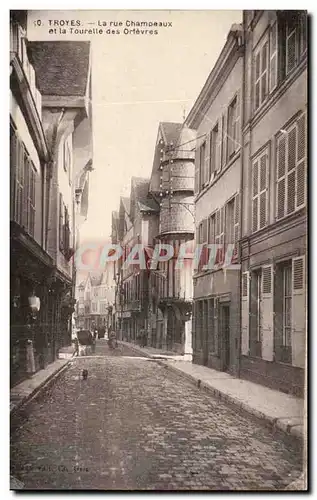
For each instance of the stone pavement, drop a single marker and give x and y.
(24, 391)
(134, 425)
(278, 409)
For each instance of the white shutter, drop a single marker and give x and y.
(264, 72)
(197, 169)
(263, 192)
(267, 330)
(236, 231)
(245, 317)
(298, 312)
(301, 171)
(207, 159)
(255, 192)
(290, 50)
(237, 138)
(219, 146)
(273, 56)
(281, 165)
(224, 140)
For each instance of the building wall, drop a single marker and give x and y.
(25, 137)
(279, 240)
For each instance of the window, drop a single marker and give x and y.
(273, 56)
(93, 307)
(230, 220)
(291, 169)
(202, 240)
(215, 150)
(220, 234)
(233, 127)
(23, 179)
(296, 38)
(95, 292)
(202, 165)
(260, 192)
(64, 227)
(261, 74)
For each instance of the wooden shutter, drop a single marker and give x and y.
(255, 192)
(298, 312)
(237, 125)
(290, 49)
(31, 206)
(263, 191)
(207, 159)
(216, 325)
(281, 165)
(197, 169)
(224, 140)
(245, 317)
(264, 72)
(257, 80)
(236, 231)
(222, 233)
(13, 170)
(61, 222)
(301, 171)
(273, 56)
(26, 190)
(291, 164)
(267, 318)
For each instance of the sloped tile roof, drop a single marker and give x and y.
(171, 131)
(61, 68)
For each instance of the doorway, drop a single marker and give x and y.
(225, 336)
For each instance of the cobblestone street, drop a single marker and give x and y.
(134, 425)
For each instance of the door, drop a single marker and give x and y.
(225, 335)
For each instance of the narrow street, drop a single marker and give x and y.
(134, 425)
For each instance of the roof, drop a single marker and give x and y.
(170, 131)
(61, 68)
(148, 205)
(126, 203)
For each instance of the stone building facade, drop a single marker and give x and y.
(216, 116)
(274, 205)
(45, 115)
(172, 184)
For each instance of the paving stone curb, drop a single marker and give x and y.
(45, 384)
(296, 430)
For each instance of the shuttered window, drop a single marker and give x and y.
(203, 240)
(273, 56)
(23, 182)
(220, 234)
(215, 150)
(261, 73)
(233, 135)
(245, 317)
(260, 192)
(296, 38)
(291, 169)
(236, 236)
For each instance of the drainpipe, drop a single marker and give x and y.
(241, 188)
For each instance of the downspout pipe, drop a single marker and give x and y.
(243, 93)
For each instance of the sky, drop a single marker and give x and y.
(137, 82)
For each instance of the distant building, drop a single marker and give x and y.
(95, 295)
(50, 137)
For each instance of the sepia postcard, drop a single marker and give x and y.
(158, 250)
